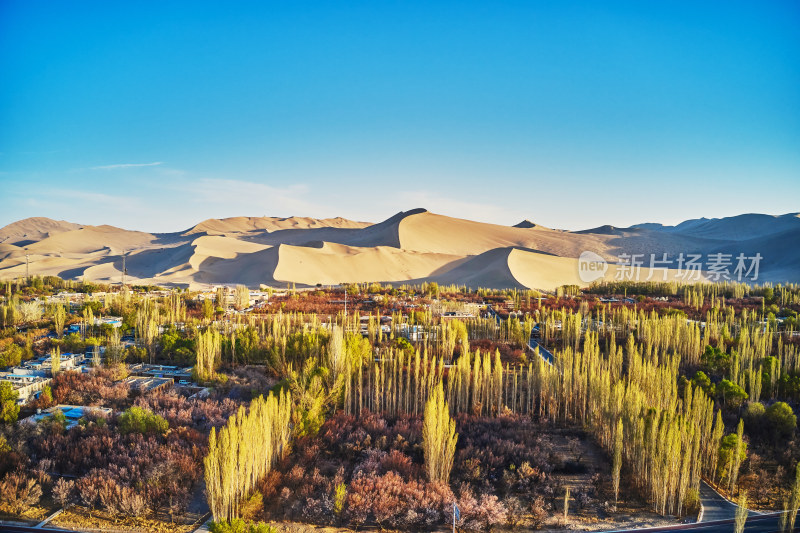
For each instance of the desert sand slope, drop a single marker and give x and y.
(92, 238)
(427, 232)
(514, 268)
(222, 247)
(331, 263)
(489, 270)
(251, 269)
(214, 226)
(33, 229)
(523, 268)
(382, 234)
(6, 250)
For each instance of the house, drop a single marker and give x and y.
(26, 385)
(113, 321)
(145, 384)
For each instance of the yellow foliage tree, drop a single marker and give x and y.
(438, 437)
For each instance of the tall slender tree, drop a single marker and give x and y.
(438, 437)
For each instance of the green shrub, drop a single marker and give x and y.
(138, 420)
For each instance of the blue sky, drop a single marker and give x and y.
(156, 115)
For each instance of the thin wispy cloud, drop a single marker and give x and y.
(248, 196)
(126, 165)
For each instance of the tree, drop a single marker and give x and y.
(617, 463)
(741, 513)
(794, 498)
(244, 451)
(438, 437)
(337, 357)
(96, 356)
(242, 297)
(55, 361)
(732, 394)
(9, 410)
(740, 453)
(64, 491)
(30, 311)
(209, 351)
(754, 418)
(208, 309)
(46, 397)
(780, 420)
(715, 359)
(339, 495)
(727, 450)
(701, 380)
(11, 356)
(18, 492)
(59, 318)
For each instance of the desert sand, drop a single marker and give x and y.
(411, 246)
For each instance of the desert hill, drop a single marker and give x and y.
(251, 224)
(410, 246)
(33, 229)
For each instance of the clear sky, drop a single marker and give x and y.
(156, 115)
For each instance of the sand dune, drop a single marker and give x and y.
(214, 226)
(525, 268)
(413, 245)
(332, 263)
(33, 229)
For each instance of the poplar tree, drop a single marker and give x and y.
(737, 455)
(241, 297)
(244, 451)
(438, 437)
(59, 317)
(794, 498)
(741, 513)
(209, 350)
(617, 462)
(55, 361)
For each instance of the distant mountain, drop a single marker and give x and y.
(736, 228)
(413, 246)
(525, 224)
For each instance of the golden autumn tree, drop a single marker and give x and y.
(244, 451)
(438, 437)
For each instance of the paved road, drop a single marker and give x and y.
(715, 507)
(755, 524)
(544, 353)
(28, 529)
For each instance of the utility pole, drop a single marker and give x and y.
(124, 270)
(27, 270)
